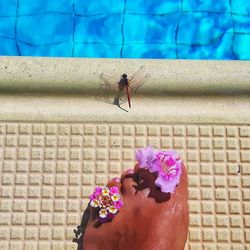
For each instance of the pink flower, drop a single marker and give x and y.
(166, 164)
(98, 190)
(169, 170)
(118, 204)
(114, 190)
(107, 201)
(145, 157)
(92, 197)
(96, 193)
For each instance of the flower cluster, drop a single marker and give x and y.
(167, 164)
(107, 200)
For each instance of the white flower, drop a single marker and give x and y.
(115, 197)
(103, 213)
(94, 203)
(112, 209)
(105, 191)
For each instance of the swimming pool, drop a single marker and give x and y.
(182, 29)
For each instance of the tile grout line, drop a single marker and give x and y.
(228, 172)
(122, 27)
(228, 201)
(200, 184)
(73, 31)
(242, 214)
(177, 30)
(227, 187)
(125, 43)
(214, 199)
(128, 13)
(16, 21)
(233, 34)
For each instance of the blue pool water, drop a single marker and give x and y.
(184, 29)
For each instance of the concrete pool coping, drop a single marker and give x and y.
(65, 89)
(58, 141)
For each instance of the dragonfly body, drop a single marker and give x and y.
(123, 83)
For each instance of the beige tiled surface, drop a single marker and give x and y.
(48, 170)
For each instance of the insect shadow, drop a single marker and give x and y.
(119, 91)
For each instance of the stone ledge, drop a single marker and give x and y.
(190, 110)
(178, 91)
(81, 76)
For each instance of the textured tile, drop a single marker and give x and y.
(90, 7)
(200, 49)
(65, 161)
(40, 21)
(87, 29)
(26, 7)
(151, 29)
(206, 21)
(97, 28)
(11, 10)
(240, 7)
(162, 7)
(161, 51)
(7, 27)
(196, 5)
(95, 50)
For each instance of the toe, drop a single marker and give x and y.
(115, 182)
(128, 181)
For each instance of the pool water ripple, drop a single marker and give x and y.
(182, 29)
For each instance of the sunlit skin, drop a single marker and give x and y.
(149, 218)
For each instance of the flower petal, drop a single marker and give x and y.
(139, 156)
(103, 213)
(98, 190)
(144, 157)
(114, 190)
(115, 197)
(155, 165)
(171, 153)
(92, 197)
(94, 203)
(118, 204)
(112, 209)
(105, 191)
(167, 185)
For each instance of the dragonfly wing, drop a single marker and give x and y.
(123, 100)
(105, 100)
(109, 83)
(111, 100)
(138, 79)
(138, 74)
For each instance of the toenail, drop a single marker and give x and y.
(116, 179)
(129, 171)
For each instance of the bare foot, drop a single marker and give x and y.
(148, 220)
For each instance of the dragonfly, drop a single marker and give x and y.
(122, 89)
